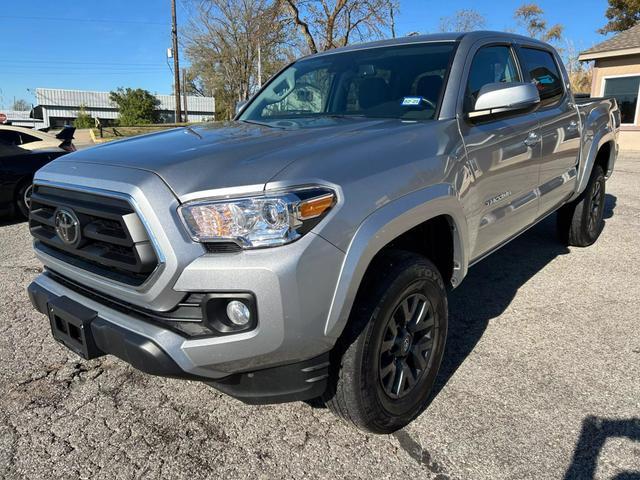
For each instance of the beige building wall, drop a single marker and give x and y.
(611, 67)
(617, 66)
(629, 140)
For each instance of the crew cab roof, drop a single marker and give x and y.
(435, 37)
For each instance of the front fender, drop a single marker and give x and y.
(384, 225)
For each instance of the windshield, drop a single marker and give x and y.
(403, 82)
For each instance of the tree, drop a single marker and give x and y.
(21, 105)
(227, 38)
(225, 42)
(465, 20)
(531, 17)
(622, 15)
(327, 24)
(580, 73)
(135, 106)
(83, 119)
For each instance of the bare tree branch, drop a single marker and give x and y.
(304, 26)
(327, 24)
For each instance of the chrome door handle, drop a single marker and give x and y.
(532, 139)
(573, 126)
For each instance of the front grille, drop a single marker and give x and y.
(111, 242)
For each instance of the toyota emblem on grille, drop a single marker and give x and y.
(67, 226)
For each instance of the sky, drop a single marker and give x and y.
(91, 45)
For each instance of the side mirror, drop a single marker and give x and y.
(240, 105)
(505, 97)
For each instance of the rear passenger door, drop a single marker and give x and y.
(559, 127)
(503, 153)
(10, 169)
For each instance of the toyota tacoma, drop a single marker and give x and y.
(304, 251)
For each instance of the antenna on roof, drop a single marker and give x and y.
(413, 34)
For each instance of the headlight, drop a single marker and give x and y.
(261, 221)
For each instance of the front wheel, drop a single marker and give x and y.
(581, 221)
(386, 362)
(23, 198)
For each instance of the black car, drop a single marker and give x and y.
(17, 167)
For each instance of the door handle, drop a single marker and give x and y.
(573, 126)
(532, 139)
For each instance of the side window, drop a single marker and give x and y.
(308, 95)
(544, 74)
(491, 64)
(26, 138)
(10, 137)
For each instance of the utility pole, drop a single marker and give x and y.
(176, 62)
(184, 91)
(259, 66)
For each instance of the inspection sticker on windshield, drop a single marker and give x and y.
(411, 101)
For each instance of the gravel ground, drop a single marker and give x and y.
(541, 380)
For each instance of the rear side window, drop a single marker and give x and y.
(10, 137)
(29, 138)
(544, 73)
(493, 64)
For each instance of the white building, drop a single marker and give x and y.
(22, 118)
(59, 107)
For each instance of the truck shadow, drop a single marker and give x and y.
(595, 432)
(491, 286)
(8, 220)
(610, 202)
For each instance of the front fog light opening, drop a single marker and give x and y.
(229, 313)
(238, 313)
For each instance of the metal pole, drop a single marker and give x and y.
(176, 62)
(259, 66)
(184, 91)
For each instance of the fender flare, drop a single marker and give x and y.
(381, 227)
(607, 135)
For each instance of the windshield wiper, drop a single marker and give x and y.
(253, 122)
(342, 115)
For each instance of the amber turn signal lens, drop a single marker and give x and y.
(315, 207)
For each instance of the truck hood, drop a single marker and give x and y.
(236, 154)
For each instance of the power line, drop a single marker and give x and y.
(87, 73)
(67, 62)
(86, 20)
(78, 68)
(57, 68)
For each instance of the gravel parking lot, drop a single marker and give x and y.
(541, 380)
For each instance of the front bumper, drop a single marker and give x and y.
(293, 285)
(298, 381)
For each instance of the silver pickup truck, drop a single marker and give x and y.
(304, 251)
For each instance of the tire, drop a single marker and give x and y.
(365, 386)
(581, 221)
(22, 198)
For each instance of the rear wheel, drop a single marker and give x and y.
(23, 198)
(581, 221)
(385, 364)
